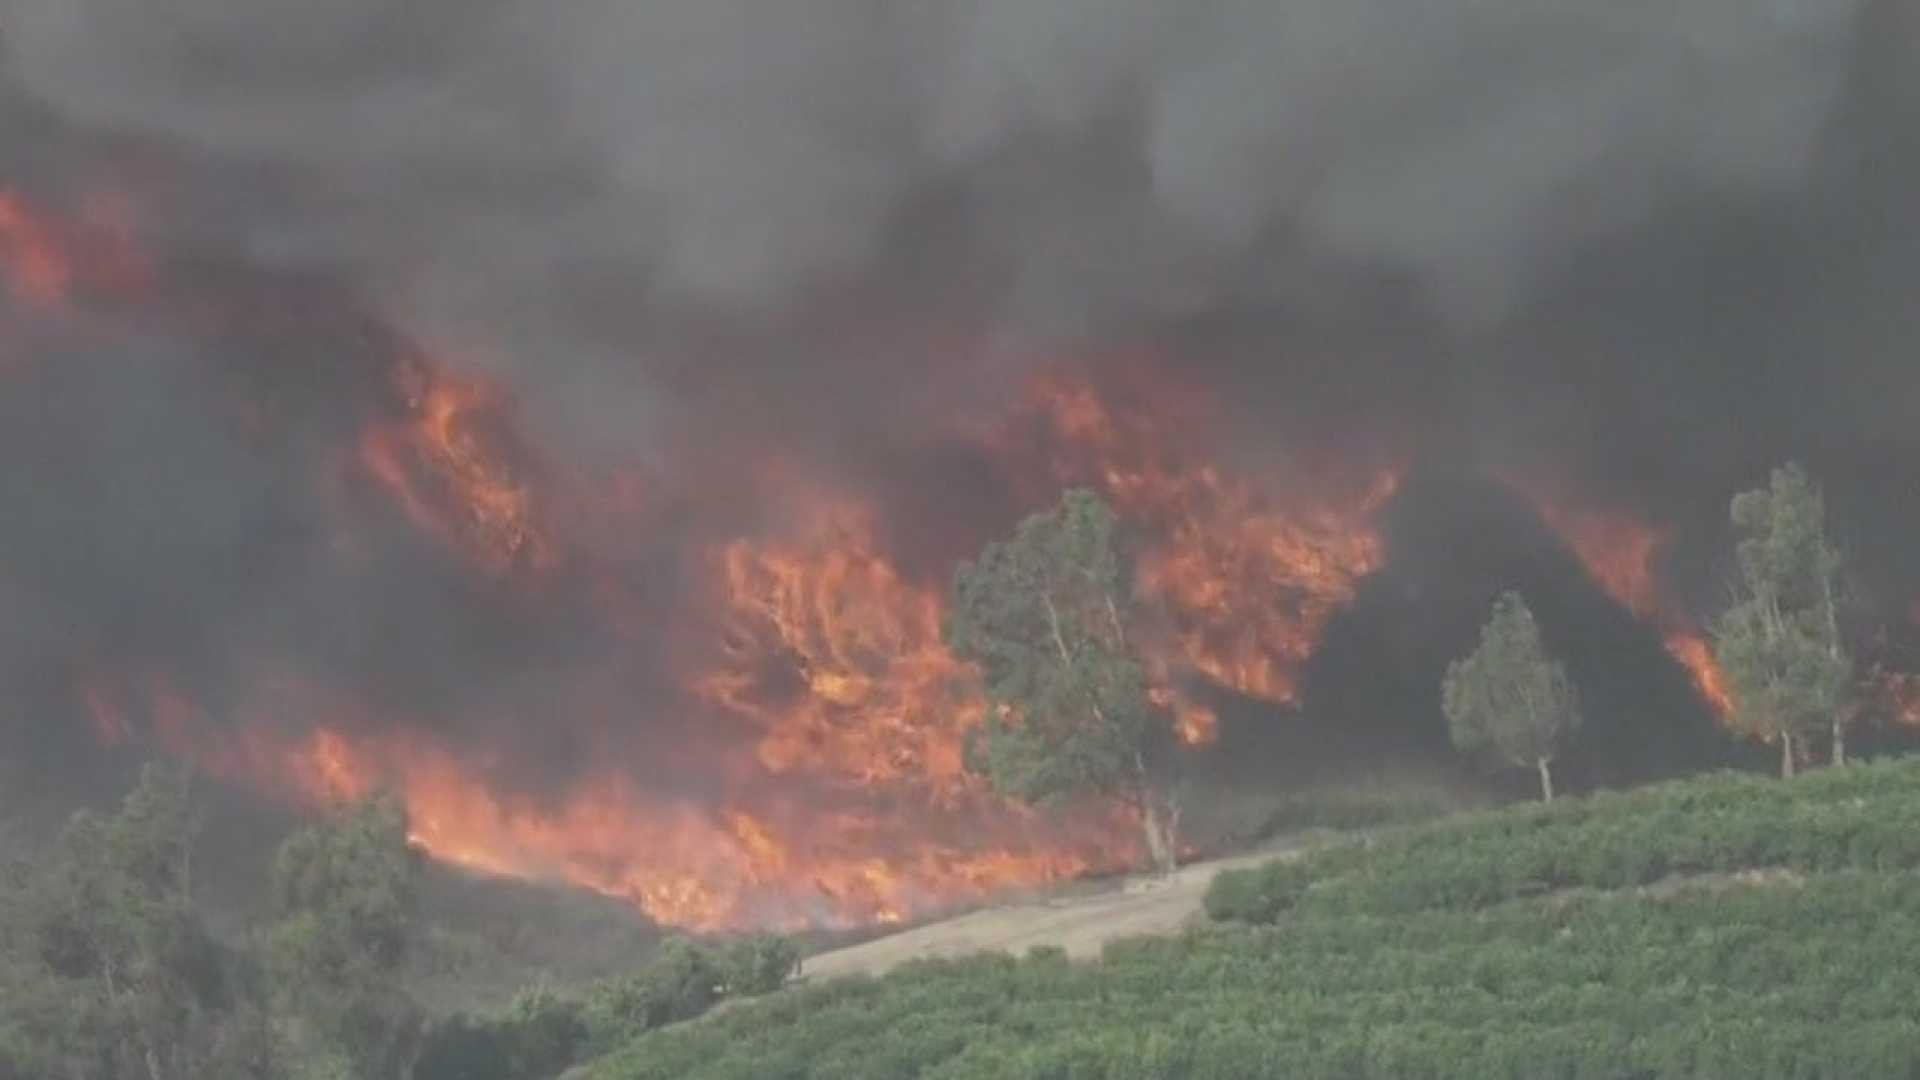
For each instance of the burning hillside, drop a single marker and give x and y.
(593, 477)
(1623, 557)
(821, 710)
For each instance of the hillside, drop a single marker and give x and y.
(1725, 926)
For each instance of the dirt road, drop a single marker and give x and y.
(1078, 924)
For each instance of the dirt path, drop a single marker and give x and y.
(1078, 924)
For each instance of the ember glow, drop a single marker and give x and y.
(46, 255)
(33, 253)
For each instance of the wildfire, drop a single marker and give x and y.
(1248, 581)
(1621, 555)
(452, 466)
(44, 256)
(1904, 690)
(806, 671)
(33, 252)
(883, 699)
(685, 864)
(1694, 654)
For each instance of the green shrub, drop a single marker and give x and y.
(680, 982)
(758, 964)
(1714, 825)
(539, 1036)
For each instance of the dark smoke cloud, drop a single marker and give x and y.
(1106, 152)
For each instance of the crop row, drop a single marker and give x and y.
(1785, 977)
(1845, 819)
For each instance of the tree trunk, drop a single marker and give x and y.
(1546, 780)
(1786, 756)
(1160, 839)
(1833, 650)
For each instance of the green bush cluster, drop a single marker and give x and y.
(1859, 818)
(543, 1033)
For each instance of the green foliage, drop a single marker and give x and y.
(757, 964)
(345, 891)
(1779, 642)
(1045, 616)
(1258, 895)
(359, 875)
(538, 1037)
(543, 1033)
(1394, 974)
(683, 980)
(1509, 696)
(1822, 823)
(107, 969)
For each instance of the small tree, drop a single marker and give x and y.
(1779, 642)
(346, 894)
(1509, 696)
(106, 967)
(1046, 616)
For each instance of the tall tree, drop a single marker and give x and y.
(1779, 641)
(346, 893)
(1509, 697)
(1047, 617)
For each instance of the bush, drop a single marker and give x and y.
(758, 964)
(539, 1037)
(682, 981)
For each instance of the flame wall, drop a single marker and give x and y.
(594, 475)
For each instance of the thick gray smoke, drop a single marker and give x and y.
(484, 158)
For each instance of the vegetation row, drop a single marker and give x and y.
(1860, 818)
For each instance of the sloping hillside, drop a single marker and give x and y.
(1727, 926)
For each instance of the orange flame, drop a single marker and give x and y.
(1694, 654)
(33, 253)
(451, 466)
(44, 256)
(833, 716)
(1904, 691)
(1248, 582)
(683, 864)
(884, 700)
(1622, 556)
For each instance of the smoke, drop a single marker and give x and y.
(1636, 252)
(1102, 154)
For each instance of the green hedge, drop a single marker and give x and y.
(1852, 819)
